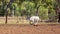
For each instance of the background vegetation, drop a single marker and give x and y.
(45, 9)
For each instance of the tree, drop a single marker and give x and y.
(28, 8)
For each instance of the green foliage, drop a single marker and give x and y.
(43, 12)
(30, 7)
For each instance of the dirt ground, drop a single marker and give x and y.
(29, 29)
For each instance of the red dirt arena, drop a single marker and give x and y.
(30, 29)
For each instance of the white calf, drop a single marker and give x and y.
(34, 19)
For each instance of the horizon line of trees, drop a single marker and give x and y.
(45, 9)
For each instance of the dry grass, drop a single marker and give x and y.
(14, 20)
